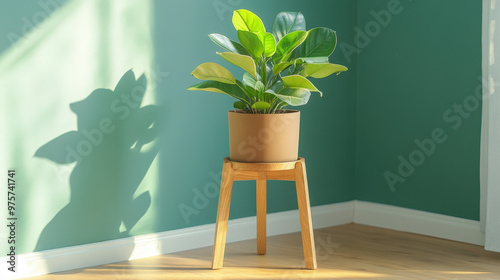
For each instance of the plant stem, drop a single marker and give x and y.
(263, 71)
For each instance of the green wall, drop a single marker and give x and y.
(410, 75)
(107, 195)
(405, 76)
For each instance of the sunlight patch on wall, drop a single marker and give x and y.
(83, 46)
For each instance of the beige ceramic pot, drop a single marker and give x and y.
(264, 137)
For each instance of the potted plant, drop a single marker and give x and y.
(277, 67)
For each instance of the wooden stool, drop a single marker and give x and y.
(242, 171)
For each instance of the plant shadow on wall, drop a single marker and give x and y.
(113, 148)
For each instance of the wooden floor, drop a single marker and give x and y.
(343, 252)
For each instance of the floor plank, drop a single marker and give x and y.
(343, 252)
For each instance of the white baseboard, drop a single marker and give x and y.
(360, 212)
(420, 222)
(50, 261)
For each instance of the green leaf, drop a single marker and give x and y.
(321, 70)
(277, 86)
(294, 96)
(227, 44)
(259, 86)
(250, 91)
(261, 105)
(269, 70)
(214, 86)
(297, 81)
(251, 42)
(239, 105)
(287, 22)
(269, 44)
(249, 84)
(321, 41)
(214, 72)
(249, 80)
(287, 44)
(244, 20)
(244, 61)
(277, 68)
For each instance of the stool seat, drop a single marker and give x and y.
(261, 172)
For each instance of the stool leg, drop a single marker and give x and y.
(305, 215)
(222, 216)
(261, 216)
